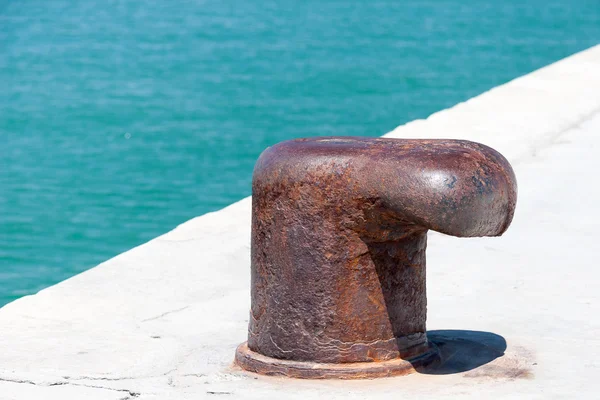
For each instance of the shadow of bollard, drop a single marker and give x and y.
(462, 350)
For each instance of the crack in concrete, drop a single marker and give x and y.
(124, 378)
(166, 313)
(550, 138)
(91, 378)
(28, 382)
(130, 393)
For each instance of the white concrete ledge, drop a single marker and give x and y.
(162, 321)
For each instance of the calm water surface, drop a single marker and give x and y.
(121, 119)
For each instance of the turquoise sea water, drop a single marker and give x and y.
(121, 119)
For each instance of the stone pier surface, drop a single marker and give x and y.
(515, 317)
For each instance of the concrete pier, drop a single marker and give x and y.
(519, 315)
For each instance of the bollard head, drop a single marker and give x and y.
(456, 187)
(338, 248)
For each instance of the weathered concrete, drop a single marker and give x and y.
(521, 312)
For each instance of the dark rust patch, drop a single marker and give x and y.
(339, 229)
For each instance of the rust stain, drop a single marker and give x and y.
(515, 364)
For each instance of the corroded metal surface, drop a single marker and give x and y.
(260, 364)
(339, 232)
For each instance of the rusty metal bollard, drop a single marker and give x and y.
(339, 231)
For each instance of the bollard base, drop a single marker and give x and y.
(260, 364)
